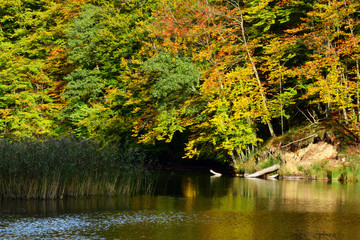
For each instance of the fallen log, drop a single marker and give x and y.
(303, 139)
(264, 171)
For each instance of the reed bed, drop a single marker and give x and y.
(56, 168)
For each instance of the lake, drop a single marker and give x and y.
(195, 206)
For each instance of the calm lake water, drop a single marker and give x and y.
(195, 206)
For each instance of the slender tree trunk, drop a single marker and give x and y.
(343, 81)
(345, 116)
(327, 109)
(328, 104)
(281, 104)
(262, 93)
(357, 88)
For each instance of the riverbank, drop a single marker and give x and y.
(59, 167)
(324, 150)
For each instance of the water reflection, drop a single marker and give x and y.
(196, 206)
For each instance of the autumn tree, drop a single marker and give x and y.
(31, 38)
(330, 75)
(235, 94)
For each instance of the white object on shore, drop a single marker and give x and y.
(215, 173)
(272, 176)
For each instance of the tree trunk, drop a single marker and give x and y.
(261, 89)
(357, 88)
(264, 171)
(281, 104)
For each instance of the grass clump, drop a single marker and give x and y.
(319, 170)
(257, 161)
(270, 161)
(350, 169)
(55, 168)
(347, 172)
(351, 172)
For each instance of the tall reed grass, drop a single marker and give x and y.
(55, 168)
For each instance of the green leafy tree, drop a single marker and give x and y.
(84, 85)
(174, 81)
(102, 43)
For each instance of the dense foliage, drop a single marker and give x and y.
(220, 76)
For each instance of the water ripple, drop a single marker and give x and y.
(86, 226)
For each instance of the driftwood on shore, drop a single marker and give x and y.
(216, 174)
(264, 171)
(272, 176)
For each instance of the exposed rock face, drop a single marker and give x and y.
(317, 151)
(309, 155)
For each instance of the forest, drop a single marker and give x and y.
(210, 79)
